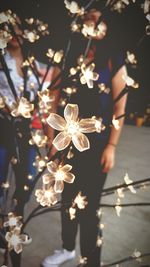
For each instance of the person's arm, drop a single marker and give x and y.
(108, 156)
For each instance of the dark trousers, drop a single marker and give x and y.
(90, 181)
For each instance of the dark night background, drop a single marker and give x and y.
(127, 29)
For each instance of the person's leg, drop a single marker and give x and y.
(91, 185)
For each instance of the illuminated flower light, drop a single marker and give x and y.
(28, 61)
(146, 6)
(99, 126)
(80, 201)
(58, 174)
(38, 138)
(2, 102)
(101, 30)
(99, 213)
(23, 108)
(131, 58)
(40, 163)
(103, 88)
(136, 253)
(5, 185)
(129, 181)
(56, 56)
(120, 5)
(13, 221)
(72, 213)
(71, 128)
(62, 102)
(75, 27)
(83, 260)
(89, 30)
(115, 123)
(74, 8)
(99, 241)
(46, 196)
(118, 210)
(70, 154)
(15, 240)
(45, 100)
(130, 82)
(120, 192)
(88, 76)
(70, 90)
(32, 36)
(3, 18)
(5, 37)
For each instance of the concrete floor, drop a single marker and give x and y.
(122, 235)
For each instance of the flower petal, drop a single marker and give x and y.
(69, 177)
(71, 112)
(81, 142)
(56, 122)
(61, 141)
(47, 178)
(52, 166)
(59, 186)
(66, 168)
(87, 125)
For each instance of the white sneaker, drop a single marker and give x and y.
(58, 257)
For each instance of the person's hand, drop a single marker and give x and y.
(108, 158)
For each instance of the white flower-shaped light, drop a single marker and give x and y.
(45, 99)
(5, 37)
(80, 201)
(46, 196)
(129, 181)
(38, 138)
(57, 175)
(23, 108)
(3, 18)
(87, 75)
(73, 7)
(2, 102)
(13, 221)
(115, 123)
(15, 240)
(31, 36)
(71, 128)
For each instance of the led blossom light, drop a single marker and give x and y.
(74, 8)
(5, 37)
(38, 138)
(80, 203)
(115, 123)
(15, 240)
(71, 128)
(87, 75)
(13, 221)
(57, 175)
(22, 108)
(45, 100)
(46, 196)
(129, 181)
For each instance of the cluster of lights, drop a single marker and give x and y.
(38, 138)
(79, 202)
(22, 108)
(14, 237)
(56, 56)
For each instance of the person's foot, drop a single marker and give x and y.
(58, 257)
